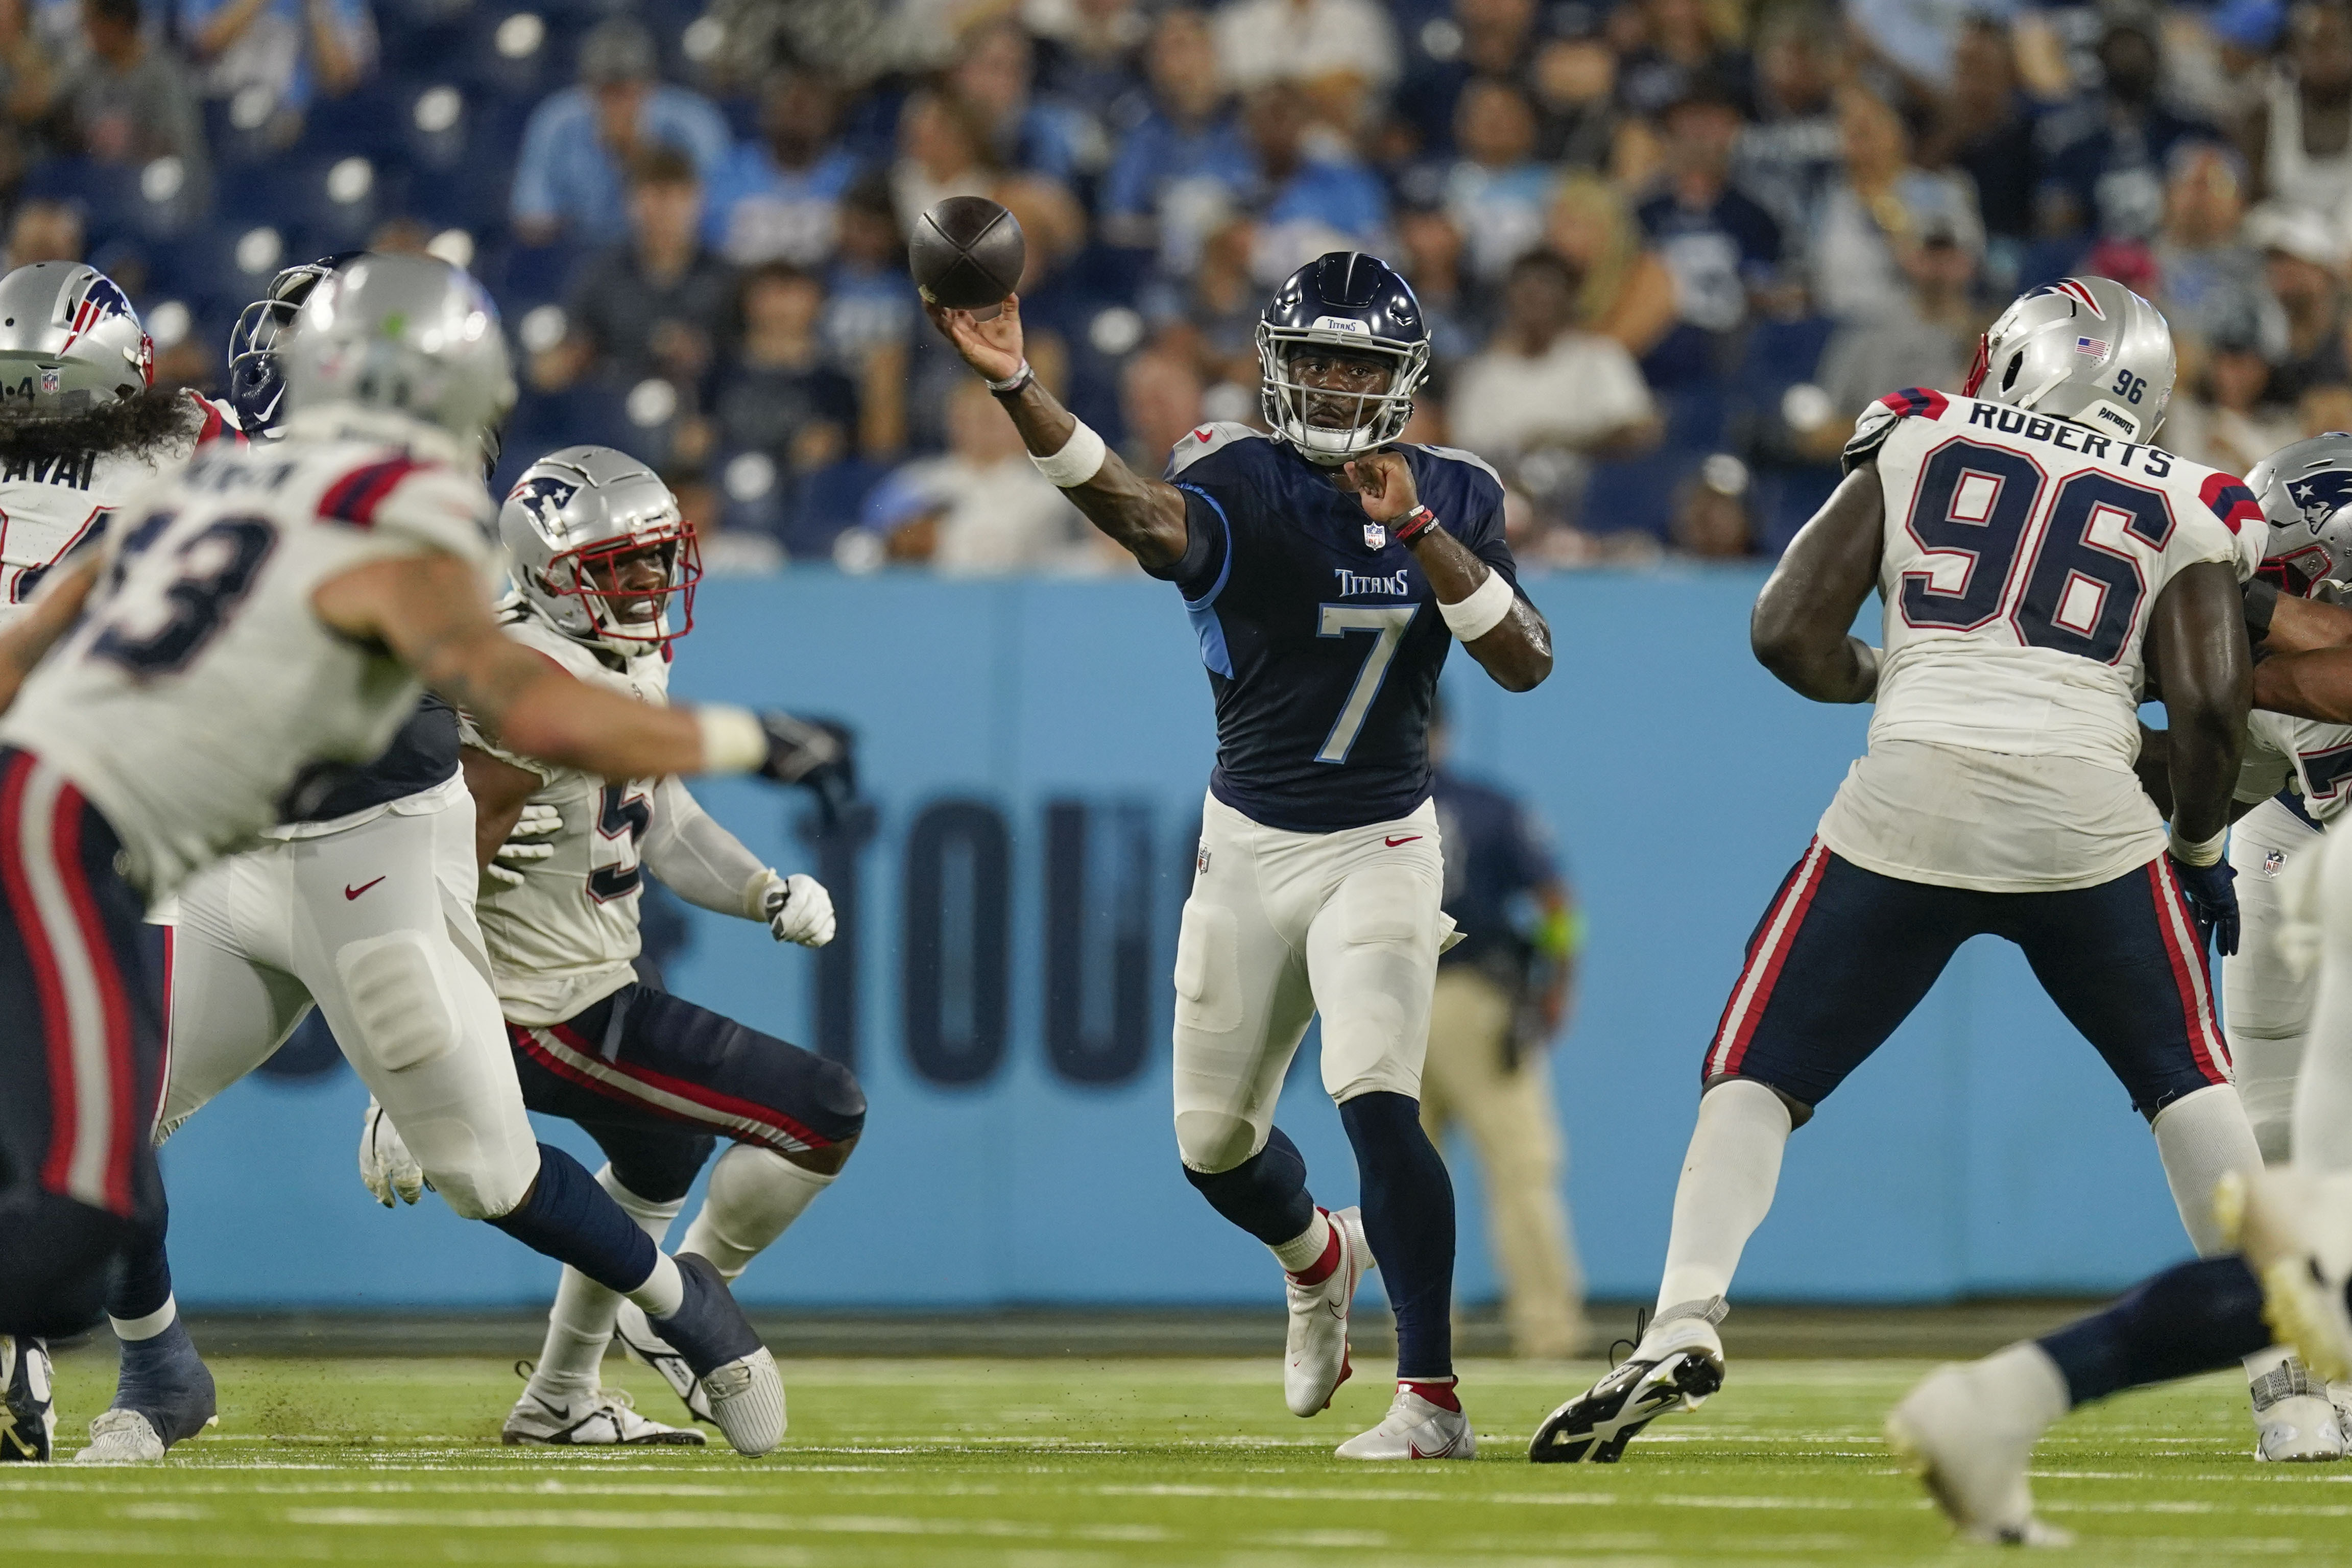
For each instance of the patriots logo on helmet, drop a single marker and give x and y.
(2321, 495)
(545, 498)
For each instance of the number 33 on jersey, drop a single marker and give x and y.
(2017, 546)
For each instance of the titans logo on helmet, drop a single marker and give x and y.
(2323, 494)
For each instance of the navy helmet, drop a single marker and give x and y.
(1344, 300)
(256, 388)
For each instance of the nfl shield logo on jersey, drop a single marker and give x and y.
(2273, 862)
(52, 379)
(1201, 865)
(1376, 537)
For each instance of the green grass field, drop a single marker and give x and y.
(1091, 1464)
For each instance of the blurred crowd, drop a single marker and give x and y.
(1668, 248)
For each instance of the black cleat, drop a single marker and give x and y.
(28, 1412)
(1595, 1427)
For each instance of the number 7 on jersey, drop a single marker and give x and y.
(1389, 622)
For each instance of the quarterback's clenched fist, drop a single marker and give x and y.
(797, 909)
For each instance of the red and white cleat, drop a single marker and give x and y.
(1314, 1352)
(1415, 1429)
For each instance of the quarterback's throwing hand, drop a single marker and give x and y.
(2211, 900)
(1384, 485)
(798, 909)
(514, 857)
(385, 1164)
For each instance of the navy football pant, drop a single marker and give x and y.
(1842, 954)
(656, 1081)
(81, 1056)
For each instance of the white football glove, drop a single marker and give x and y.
(385, 1164)
(797, 909)
(512, 859)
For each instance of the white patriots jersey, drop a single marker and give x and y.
(2022, 556)
(565, 939)
(48, 508)
(2305, 755)
(200, 688)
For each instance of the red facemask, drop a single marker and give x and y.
(677, 600)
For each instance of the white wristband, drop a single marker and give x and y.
(1480, 614)
(1080, 458)
(733, 739)
(2190, 853)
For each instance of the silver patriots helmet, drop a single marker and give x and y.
(579, 519)
(69, 339)
(2085, 349)
(2305, 491)
(405, 334)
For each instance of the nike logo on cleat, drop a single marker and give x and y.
(351, 893)
(1409, 838)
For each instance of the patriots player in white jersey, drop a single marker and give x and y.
(1328, 570)
(238, 628)
(2040, 565)
(80, 427)
(605, 569)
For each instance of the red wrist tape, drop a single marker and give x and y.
(1413, 525)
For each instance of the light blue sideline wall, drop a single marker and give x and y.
(1986, 1150)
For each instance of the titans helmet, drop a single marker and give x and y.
(2305, 491)
(69, 339)
(256, 385)
(2085, 349)
(568, 523)
(1356, 303)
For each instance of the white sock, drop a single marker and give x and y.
(2323, 1095)
(1726, 1185)
(2265, 1070)
(130, 1330)
(663, 1290)
(1305, 1250)
(2030, 1388)
(2202, 1138)
(580, 1323)
(755, 1194)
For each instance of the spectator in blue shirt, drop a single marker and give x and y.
(1306, 204)
(2109, 152)
(1497, 192)
(779, 199)
(1718, 242)
(294, 48)
(579, 143)
(1189, 144)
(992, 78)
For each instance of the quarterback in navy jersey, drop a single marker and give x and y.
(1327, 568)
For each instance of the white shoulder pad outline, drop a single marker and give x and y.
(1203, 439)
(1458, 455)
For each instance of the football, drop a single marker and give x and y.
(966, 253)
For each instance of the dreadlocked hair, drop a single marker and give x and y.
(141, 426)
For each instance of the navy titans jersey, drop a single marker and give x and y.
(423, 754)
(1322, 638)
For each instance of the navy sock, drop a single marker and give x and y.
(570, 1218)
(1409, 1220)
(1265, 1195)
(2197, 1317)
(144, 1283)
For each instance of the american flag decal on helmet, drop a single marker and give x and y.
(2094, 347)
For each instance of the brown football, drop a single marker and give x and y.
(966, 254)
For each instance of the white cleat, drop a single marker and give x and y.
(747, 1403)
(607, 1418)
(121, 1437)
(1414, 1429)
(2294, 1230)
(1315, 1351)
(638, 1338)
(1971, 1453)
(2299, 1429)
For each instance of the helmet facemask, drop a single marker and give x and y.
(631, 611)
(1330, 423)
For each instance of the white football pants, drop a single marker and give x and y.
(1282, 926)
(2265, 1003)
(374, 924)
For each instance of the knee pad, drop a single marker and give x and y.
(474, 1190)
(837, 1089)
(397, 999)
(1213, 1141)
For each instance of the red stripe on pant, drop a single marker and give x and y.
(2205, 1045)
(1725, 1056)
(113, 998)
(701, 1094)
(56, 1031)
